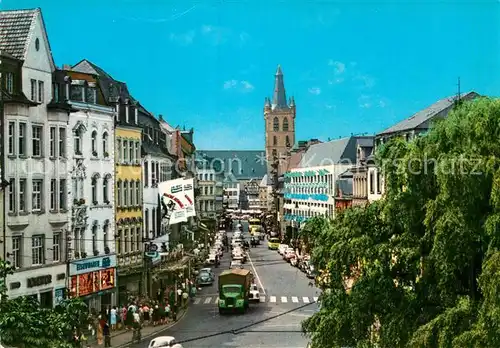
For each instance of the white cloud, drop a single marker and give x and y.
(366, 80)
(243, 86)
(183, 39)
(315, 90)
(382, 104)
(365, 102)
(339, 67)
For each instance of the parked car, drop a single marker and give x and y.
(254, 293)
(205, 276)
(287, 254)
(164, 341)
(282, 248)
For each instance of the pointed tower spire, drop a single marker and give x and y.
(279, 97)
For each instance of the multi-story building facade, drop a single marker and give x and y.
(128, 181)
(207, 187)
(279, 118)
(231, 188)
(310, 188)
(90, 146)
(408, 129)
(360, 172)
(157, 167)
(36, 209)
(251, 192)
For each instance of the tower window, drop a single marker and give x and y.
(285, 124)
(275, 140)
(275, 154)
(287, 141)
(276, 124)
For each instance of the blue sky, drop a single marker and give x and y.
(353, 66)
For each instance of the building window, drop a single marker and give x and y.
(22, 195)
(77, 93)
(146, 221)
(33, 90)
(77, 136)
(37, 132)
(63, 205)
(94, 143)
(285, 124)
(9, 82)
(119, 193)
(105, 231)
(138, 237)
(276, 124)
(105, 144)
(53, 195)
(62, 142)
(12, 195)
(131, 152)
(126, 241)
(125, 150)
(125, 193)
(275, 153)
(94, 190)
(146, 173)
(12, 129)
(132, 239)
(372, 183)
(131, 193)
(94, 238)
(118, 242)
(379, 183)
(275, 140)
(37, 195)
(22, 139)
(287, 141)
(56, 247)
(90, 97)
(55, 92)
(138, 193)
(52, 141)
(119, 150)
(81, 239)
(16, 257)
(41, 92)
(105, 190)
(137, 151)
(37, 250)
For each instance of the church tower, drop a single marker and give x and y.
(279, 117)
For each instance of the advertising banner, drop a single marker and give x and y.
(177, 200)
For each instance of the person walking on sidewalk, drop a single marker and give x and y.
(107, 335)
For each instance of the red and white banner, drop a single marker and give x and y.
(177, 199)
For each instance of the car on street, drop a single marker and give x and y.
(205, 276)
(273, 243)
(211, 259)
(164, 341)
(235, 264)
(287, 253)
(254, 293)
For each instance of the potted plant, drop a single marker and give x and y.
(77, 255)
(84, 255)
(94, 153)
(96, 252)
(106, 154)
(76, 202)
(107, 250)
(78, 153)
(95, 202)
(82, 201)
(106, 202)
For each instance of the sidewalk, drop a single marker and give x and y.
(123, 337)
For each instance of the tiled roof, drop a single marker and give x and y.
(366, 141)
(244, 165)
(421, 118)
(15, 28)
(331, 152)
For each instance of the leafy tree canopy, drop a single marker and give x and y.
(420, 268)
(24, 324)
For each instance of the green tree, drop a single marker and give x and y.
(24, 324)
(420, 268)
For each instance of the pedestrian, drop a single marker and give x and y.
(112, 318)
(107, 335)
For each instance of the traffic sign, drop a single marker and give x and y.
(152, 254)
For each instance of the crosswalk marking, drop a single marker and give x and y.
(214, 300)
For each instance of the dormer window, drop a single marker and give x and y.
(91, 94)
(55, 92)
(9, 82)
(76, 92)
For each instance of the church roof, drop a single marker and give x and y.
(243, 164)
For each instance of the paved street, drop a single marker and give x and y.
(272, 323)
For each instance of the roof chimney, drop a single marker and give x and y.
(160, 117)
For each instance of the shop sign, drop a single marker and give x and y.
(92, 282)
(319, 172)
(58, 296)
(91, 265)
(39, 281)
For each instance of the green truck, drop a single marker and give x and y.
(234, 290)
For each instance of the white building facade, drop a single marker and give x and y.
(231, 193)
(207, 188)
(36, 207)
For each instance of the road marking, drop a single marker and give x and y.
(207, 300)
(197, 300)
(256, 275)
(262, 299)
(315, 299)
(272, 299)
(295, 299)
(305, 299)
(284, 299)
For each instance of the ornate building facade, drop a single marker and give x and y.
(279, 117)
